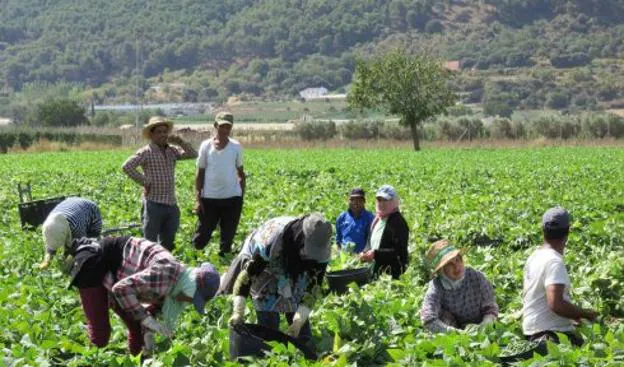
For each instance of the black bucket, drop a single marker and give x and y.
(338, 281)
(249, 340)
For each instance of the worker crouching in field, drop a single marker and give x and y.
(127, 272)
(282, 263)
(72, 218)
(387, 245)
(458, 297)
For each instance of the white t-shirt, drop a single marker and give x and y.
(543, 268)
(221, 177)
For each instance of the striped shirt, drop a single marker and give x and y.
(467, 304)
(83, 216)
(158, 170)
(147, 274)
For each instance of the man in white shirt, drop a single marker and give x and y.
(547, 308)
(219, 185)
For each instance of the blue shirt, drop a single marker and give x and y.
(353, 229)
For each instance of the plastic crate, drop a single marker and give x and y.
(34, 213)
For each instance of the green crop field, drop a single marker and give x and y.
(489, 201)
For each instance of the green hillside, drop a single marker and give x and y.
(520, 52)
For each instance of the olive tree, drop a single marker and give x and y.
(414, 87)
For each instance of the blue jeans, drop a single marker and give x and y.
(160, 223)
(271, 320)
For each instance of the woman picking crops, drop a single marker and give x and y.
(387, 245)
(283, 263)
(128, 273)
(458, 297)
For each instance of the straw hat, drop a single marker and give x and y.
(155, 121)
(440, 253)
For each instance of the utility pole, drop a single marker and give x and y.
(136, 90)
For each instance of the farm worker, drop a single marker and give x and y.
(546, 305)
(126, 273)
(72, 218)
(458, 297)
(387, 242)
(283, 265)
(353, 225)
(219, 185)
(161, 214)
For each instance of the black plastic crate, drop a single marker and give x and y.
(34, 213)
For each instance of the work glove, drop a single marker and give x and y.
(487, 319)
(46, 261)
(238, 312)
(471, 328)
(149, 342)
(154, 326)
(300, 317)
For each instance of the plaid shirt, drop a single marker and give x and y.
(467, 304)
(148, 272)
(158, 170)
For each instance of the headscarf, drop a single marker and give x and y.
(172, 308)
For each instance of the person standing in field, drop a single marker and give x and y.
(458, 297)
(161, 214)
(219, 185)
(546, 304)
(387, 244)
(71, 219)
(353, 225)
(142, 282)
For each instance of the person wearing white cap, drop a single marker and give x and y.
(219, 186)
(546, 304)
(160, 213)
(72, 218)
(283, 266)
(387, 243)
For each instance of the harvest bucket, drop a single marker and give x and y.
(338, 281)
(539, 348)
(249, 340)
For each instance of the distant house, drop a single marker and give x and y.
(453, 65)
(313, 93)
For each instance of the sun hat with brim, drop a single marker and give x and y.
(316, 238)
(156, 121)
(440, 253)
(208, 280)
(224, 118)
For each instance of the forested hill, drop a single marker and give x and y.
(276, 47)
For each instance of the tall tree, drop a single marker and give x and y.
(414, 87)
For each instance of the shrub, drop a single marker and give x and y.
(316, 130)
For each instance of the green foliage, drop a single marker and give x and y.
(414, 87)
(59, 113)
(315, 130)
(464, 195)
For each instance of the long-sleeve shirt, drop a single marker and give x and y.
(147, 274)
(158, 166)
(350, 228)
(83, 217)
(467, 304)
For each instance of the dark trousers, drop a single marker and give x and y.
(574, 338)
(160, 223)
(95, 305)
(226, 213)
(271, 320)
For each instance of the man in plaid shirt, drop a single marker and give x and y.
(161, 214)
(137, 278)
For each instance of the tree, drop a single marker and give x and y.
(60, 112)
(415, 87)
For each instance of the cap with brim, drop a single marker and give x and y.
(440, 253)
(224, 118)
(86, 254)
(556, 218)
(386, 192)
(208, 281)
(156, 121)
(357, 193)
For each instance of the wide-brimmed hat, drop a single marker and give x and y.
(208, 280)
(440, 253)
(316, 235)
(156, 121)
(224, 118)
